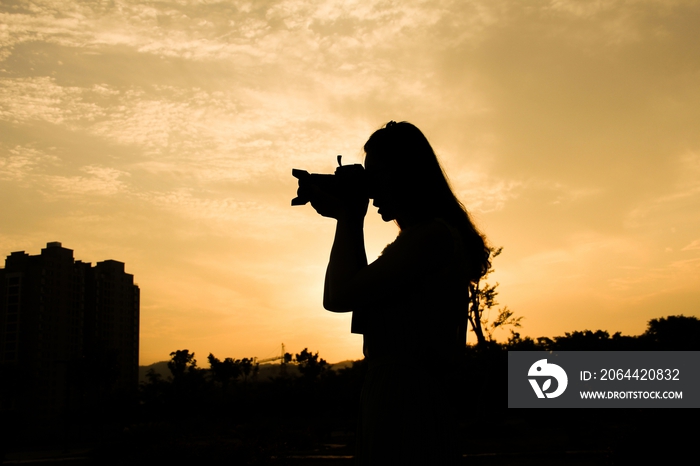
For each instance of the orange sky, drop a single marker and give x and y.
(163, 134)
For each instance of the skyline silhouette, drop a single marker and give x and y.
(308, 411)
(69, 333)
(163, 134)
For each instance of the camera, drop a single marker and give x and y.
(348, 181)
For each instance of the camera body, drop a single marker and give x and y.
(348, 181)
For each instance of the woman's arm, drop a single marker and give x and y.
(348, 256)
(350, 282)
(348, 259)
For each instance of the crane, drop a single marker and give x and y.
(274, 358)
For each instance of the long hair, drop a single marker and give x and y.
(424, 185)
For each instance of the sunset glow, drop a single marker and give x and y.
(163, 134)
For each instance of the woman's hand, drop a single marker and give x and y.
(350, 206)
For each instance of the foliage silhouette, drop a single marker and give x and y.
(309, 364)
(673, 333)
(212, 415)
(310, 380)
(482, 298)
(224, 372)
(313, 403)
(181, 362)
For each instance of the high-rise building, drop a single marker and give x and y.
(69, 332)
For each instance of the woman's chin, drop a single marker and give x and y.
(387, 217)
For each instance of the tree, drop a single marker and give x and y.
(188, 379)
(224, 371)
(309, 364)
(248, 366)
(156, 389)
(518, 343)
(673, 333)
(181, 362)
(286, 359)
(482, 297)
(585, 340)
(153, 376)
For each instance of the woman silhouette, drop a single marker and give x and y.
(411, 303)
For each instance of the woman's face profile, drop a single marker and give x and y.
(382, 187)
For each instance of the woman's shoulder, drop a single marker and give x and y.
(434, 237)
(436, 231)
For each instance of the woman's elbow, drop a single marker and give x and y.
(334, 304)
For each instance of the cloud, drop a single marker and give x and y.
(693, 246)
(209, 135)
(483, 193)
(64, 23)
(185, 203)
(36, 169)
(683, 193)
(567, 194)
(29, 99)
(96, 181)
(20, 162)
